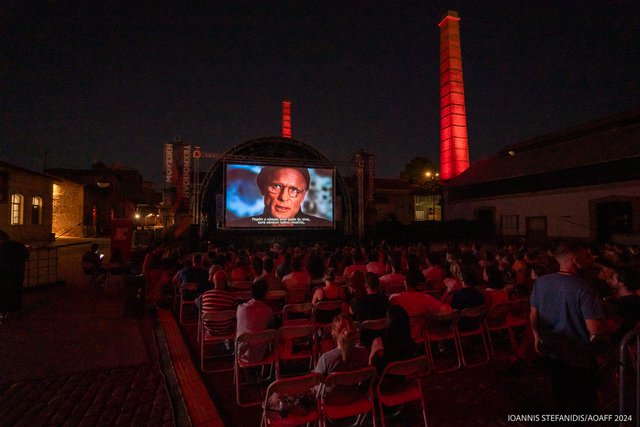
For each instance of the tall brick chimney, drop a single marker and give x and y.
(454, 149)
(286, 119)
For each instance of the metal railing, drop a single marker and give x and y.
(42, 267)
(629, 350)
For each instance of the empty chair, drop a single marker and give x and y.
(400, 383)
(297, 314)
(251, 343)
(496, 322)
(471, 324)
(440, 329)
(187, 302)
(291, 401)
(217, 327)
(348, 394)
(295, 343)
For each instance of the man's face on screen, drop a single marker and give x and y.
(285, 192)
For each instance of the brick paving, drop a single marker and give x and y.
(73, 359)
(133, 396)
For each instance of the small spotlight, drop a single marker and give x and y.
(512, 153)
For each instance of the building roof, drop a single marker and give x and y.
(6, 165)
(601, 151)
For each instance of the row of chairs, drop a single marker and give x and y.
(398, 385)
(300, 320)
(481, 322)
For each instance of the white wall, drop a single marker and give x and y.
(568, 211)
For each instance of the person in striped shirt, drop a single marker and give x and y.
(217, 299)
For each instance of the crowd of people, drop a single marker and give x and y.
(580, 297)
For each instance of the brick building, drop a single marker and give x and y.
(26, 200)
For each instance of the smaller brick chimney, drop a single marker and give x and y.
(286, 119)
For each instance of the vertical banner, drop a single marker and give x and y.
(121, 236)
(178, 185)
(168, 164)
(186, 172)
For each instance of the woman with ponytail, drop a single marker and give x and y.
(349, 354)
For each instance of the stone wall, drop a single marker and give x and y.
(68, 199)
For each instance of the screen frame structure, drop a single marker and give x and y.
(262, 164)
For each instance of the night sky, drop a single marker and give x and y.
(113, 81)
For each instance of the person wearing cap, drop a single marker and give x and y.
(284, 190)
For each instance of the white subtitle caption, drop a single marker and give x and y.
(583, 418)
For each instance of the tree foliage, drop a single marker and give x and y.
(415, 171)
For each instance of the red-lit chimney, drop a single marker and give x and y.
(286, 119)
(454, 149)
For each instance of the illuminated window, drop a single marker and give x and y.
(17, 202)
(427, 208)
(36, 210)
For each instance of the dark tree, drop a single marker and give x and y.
(416, 170)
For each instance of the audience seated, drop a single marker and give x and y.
(374, 265)
(329, 292)
(357, 265)
(194, 273)
(394, 281)
(433, 274)
(356, 286)
(468, 296)
(494, 292)
(273, 282)
(298, 278)
(418, 305)
(217, 299)
(254, 316)
(396, 343)
(348, 355)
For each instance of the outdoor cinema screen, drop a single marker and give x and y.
(265, 196)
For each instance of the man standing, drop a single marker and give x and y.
(566, 314)
(13, 256)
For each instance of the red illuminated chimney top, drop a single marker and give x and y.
(286, 119)
(454, 149)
